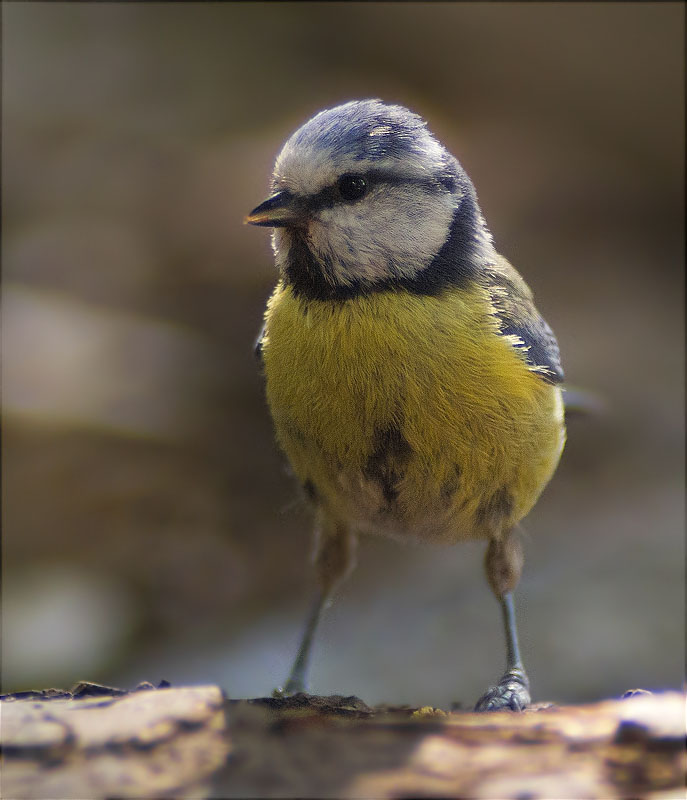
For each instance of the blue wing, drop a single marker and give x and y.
(514, 307)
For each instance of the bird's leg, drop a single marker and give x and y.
(503, 564)
(297, 679)
(335, 546)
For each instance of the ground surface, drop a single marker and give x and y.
(99, 742)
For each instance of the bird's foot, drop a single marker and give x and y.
(512, 693)
(290, 688)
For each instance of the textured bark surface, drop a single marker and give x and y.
(97, 742)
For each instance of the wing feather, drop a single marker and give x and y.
(514, 307)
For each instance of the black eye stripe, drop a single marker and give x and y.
(325, 198)
(330, 196)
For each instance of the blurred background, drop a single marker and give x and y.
(151, 529)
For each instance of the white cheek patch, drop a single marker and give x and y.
(395, 233)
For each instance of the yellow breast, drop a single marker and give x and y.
(410, 415)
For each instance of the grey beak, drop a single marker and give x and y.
(277, 211)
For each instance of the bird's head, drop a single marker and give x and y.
(363, 198)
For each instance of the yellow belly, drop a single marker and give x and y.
(409, 415)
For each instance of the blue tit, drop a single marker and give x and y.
(413, 385)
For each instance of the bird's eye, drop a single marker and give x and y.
(351, 187)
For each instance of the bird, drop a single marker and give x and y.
(413, 385)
